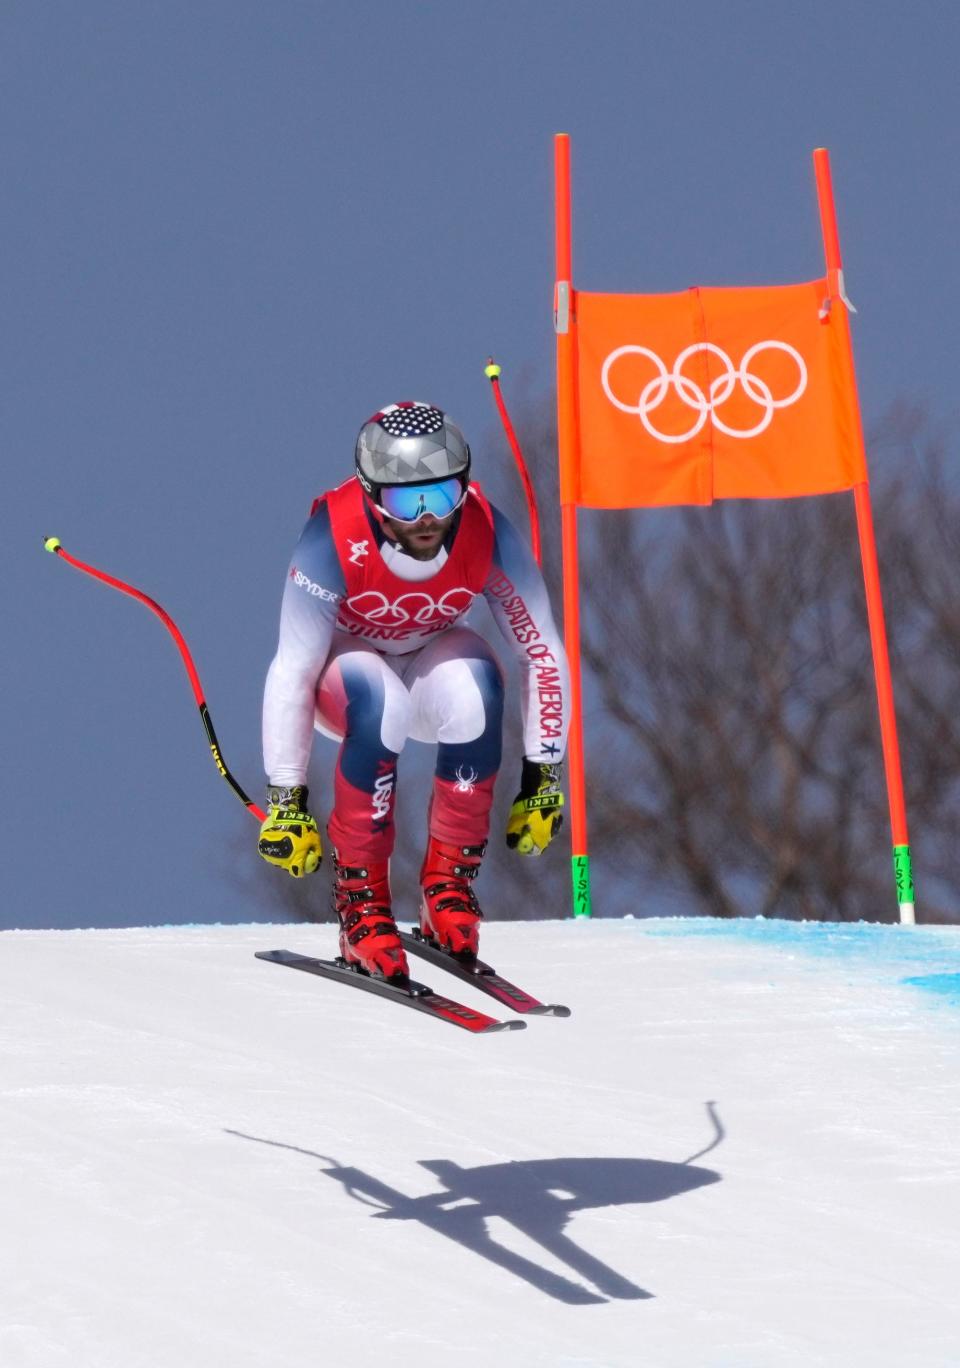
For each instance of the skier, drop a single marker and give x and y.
(373, 649)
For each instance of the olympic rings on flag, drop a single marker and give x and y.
(721, 387)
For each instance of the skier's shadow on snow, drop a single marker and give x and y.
(537, 1197)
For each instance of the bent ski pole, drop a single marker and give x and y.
(492, 372)
(53, 545)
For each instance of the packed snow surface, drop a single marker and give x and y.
(742, 1150)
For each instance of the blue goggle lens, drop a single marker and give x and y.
(409, 503)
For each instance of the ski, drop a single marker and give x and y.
(481, 976)
(415, 995)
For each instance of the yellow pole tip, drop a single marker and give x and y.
(492, 371)
(51, 544)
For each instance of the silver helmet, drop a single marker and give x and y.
(410, 443)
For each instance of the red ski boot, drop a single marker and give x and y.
(368, 933)
(449, 911)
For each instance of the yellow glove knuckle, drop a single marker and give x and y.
(291, 841)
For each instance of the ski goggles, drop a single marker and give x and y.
(410, 503)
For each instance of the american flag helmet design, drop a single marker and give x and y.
(410, 443)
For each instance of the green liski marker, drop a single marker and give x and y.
(903, 874)
(580, 872)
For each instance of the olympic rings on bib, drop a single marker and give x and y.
(721, 387)
(419, 608)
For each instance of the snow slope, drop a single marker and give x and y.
(742, 1150)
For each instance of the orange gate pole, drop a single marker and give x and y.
(565, 325)
(836, 299)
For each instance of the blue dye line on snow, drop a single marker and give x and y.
(888, 951)
(946, 986)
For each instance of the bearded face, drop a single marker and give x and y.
(422, 539)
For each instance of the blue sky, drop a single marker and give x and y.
(233, 230)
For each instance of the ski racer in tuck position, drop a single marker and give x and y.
(374, 650)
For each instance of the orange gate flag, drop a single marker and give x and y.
(713, 394)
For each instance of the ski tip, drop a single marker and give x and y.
(503, 1026)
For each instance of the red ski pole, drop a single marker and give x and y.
(492, 372)
(53, 545)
